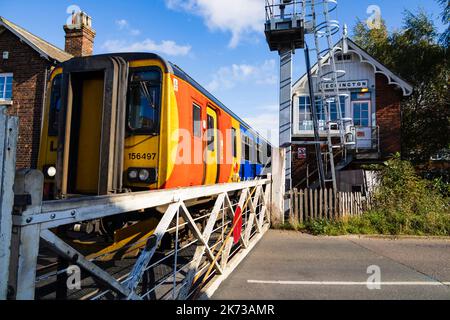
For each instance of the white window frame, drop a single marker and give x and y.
(3, 90)
(297, 127)
(369, 120)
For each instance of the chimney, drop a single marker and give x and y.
(79, 35)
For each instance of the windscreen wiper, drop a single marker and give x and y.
(147, 95)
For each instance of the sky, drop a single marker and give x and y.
(220, 43)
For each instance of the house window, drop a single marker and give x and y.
(197, 121)
(361, 113)
(6, 80)
(344, 57)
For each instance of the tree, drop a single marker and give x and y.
(415, 54)
(445, 37)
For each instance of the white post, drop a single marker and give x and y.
(8, 142)
(278, 187)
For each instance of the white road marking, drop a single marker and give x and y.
(352, 283)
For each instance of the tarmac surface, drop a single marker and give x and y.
(293, 266)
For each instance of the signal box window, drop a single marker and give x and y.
(144, 101)
(210, 133)
(55, 106)
(196, 115)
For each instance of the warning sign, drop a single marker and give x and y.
(301, 153)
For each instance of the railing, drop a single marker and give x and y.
(309, 204)
(151, 273)
(291, 9)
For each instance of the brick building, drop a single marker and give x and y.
(370, 96)
(25, 64)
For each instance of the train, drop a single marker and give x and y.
(131, 122)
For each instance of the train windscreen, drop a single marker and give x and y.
(55, 106)
(144, 101)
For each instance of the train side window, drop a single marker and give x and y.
(247, 148)
(234, 142)
(55, 106)
(269, 151)
(210, 133)
(258, 153)
(197, 120)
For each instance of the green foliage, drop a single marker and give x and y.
(405, 204)
(408, 204)
(415, 54)
(445, 16)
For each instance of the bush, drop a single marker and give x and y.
(404, 204)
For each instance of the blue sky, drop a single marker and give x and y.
(218, 42)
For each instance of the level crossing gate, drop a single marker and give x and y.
(37, 262)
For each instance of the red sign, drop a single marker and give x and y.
(237, 223)
(301, 153)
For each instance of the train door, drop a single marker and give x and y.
(86, 133)
(212, 154)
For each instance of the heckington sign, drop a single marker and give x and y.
(358, 84)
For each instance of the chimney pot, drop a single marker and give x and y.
(80, 35)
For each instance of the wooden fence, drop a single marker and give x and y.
(309, 204)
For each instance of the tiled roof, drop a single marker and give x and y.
(44, 48)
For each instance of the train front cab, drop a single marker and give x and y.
(102, 126)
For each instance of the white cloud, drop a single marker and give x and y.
(123, 24)
(228, 77)
(167, 47)
(240, 17)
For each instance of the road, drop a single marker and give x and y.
(293, 266)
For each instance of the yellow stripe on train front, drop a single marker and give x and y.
(168, 139)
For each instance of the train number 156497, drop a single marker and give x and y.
(142, 156)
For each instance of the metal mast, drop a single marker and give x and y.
(284, 29)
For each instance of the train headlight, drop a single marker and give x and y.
(144, 175)
(133, 174)
(50, 172)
